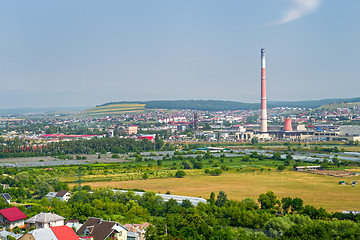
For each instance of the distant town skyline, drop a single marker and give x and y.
(86, 53)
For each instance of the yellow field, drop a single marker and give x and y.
(113, 112)
(114, 109)
(317, 190)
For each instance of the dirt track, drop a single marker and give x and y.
(335, 173)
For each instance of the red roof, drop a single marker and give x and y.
(64, 233)
(12, 214)
(65, 136)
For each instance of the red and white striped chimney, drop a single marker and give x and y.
(263, 93)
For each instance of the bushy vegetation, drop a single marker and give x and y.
(221, 218)
(81, 146)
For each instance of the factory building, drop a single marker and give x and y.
(312, 132)
(350, 130)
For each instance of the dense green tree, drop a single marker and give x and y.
(212, 198)
(216, 172)
(221, 199)
(254, 140)
(159, 143)
(268, 200)
(293, 205)
(315, 213)
(180, 174)
(139, 158)
(277, 226)
(276, 156)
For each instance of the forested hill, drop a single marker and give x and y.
(206, 105)
(218, 105)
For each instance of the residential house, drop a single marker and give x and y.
(63, 196)
(101, 230)
(64, 233)
(39, 234)
(133, 236)
(50, 195)
(136, 231)
(12, 217)
(74, 224)
(52, 233)
(4, 235)
(45, 220)
(87, 238)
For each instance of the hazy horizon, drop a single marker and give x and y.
(86, 53)
(99, 104)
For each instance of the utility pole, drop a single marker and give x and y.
(79, 181)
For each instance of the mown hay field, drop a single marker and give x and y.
(113, 109)
(316, 190)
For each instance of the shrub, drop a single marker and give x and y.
(186, 165)
(216, 172)
(145, 176)
(281, 167)
(180, 174)
(224, 168)
(198, 165)
(139, 158)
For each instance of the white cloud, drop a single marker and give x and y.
(299, 9)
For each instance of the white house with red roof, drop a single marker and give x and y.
(52, 233)
(45, 220)
(64, 233)
(12, 217)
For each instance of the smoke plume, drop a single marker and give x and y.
(299, 9)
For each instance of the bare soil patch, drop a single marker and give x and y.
(335, 173)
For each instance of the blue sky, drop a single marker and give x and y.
(82, 53)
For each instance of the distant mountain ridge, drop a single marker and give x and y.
(20, 111)
(220, 105)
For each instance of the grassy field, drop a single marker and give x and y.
(113, 109)
(317, 190)
(243, 179)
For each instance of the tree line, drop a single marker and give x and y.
(81, 146)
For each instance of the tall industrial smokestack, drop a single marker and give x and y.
(263, 93)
